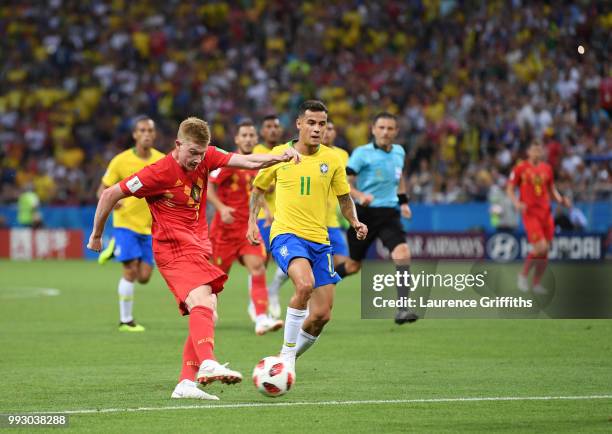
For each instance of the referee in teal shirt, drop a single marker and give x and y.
(375, 172)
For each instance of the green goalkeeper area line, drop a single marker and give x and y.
(330, 403)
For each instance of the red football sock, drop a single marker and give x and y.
(202, 332)
(259, 294)
(190, 361)
(540, 268)
(529, 262)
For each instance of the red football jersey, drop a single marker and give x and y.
(177, 201)
(234, 190)
(534, 183)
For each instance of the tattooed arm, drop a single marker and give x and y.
(257, 197)
(347, 206)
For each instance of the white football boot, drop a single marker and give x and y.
(188, 389)
(211, 370)
(539, 290)
(265, 324)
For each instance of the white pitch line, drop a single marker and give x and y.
(328, 403)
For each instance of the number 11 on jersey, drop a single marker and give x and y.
(304, 182)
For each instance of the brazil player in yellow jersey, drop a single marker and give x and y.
(299, 238)
(271, 132)
(337, 238)
(131, 243)
(336, 234)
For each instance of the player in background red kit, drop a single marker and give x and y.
(229, 193)
(535, 181)
(175, 190)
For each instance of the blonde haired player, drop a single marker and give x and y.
(175, 189)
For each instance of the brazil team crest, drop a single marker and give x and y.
(324, 168)
(284, 251)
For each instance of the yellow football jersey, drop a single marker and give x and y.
(302, 192)
(268, 197)
(332, 202)
(134, 213)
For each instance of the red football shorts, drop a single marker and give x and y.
(225, 253)
(187, 273)
(539, 227)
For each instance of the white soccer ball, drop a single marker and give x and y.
(273, 376)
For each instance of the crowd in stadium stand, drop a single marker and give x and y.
(471, 82)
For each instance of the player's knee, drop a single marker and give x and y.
(130, 273)
(144, 272)
(144, 279)
(401, 253)
(258, 270)
(201, 297)
(303, 288)
(540, 249)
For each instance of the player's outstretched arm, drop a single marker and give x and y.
(261, 161)
(108, 200)
(257, 197)
(347, 206)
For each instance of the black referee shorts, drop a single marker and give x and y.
(383, 223)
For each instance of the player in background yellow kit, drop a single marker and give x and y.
(131, 243)
(271, 132)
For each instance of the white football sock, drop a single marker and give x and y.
(293, 324)
(126, 300)
(277, 282)
(304, 341)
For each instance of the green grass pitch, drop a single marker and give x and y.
(63, 352)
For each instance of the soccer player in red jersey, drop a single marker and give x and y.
(229, 193)
(175, 191)
(535, 181)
